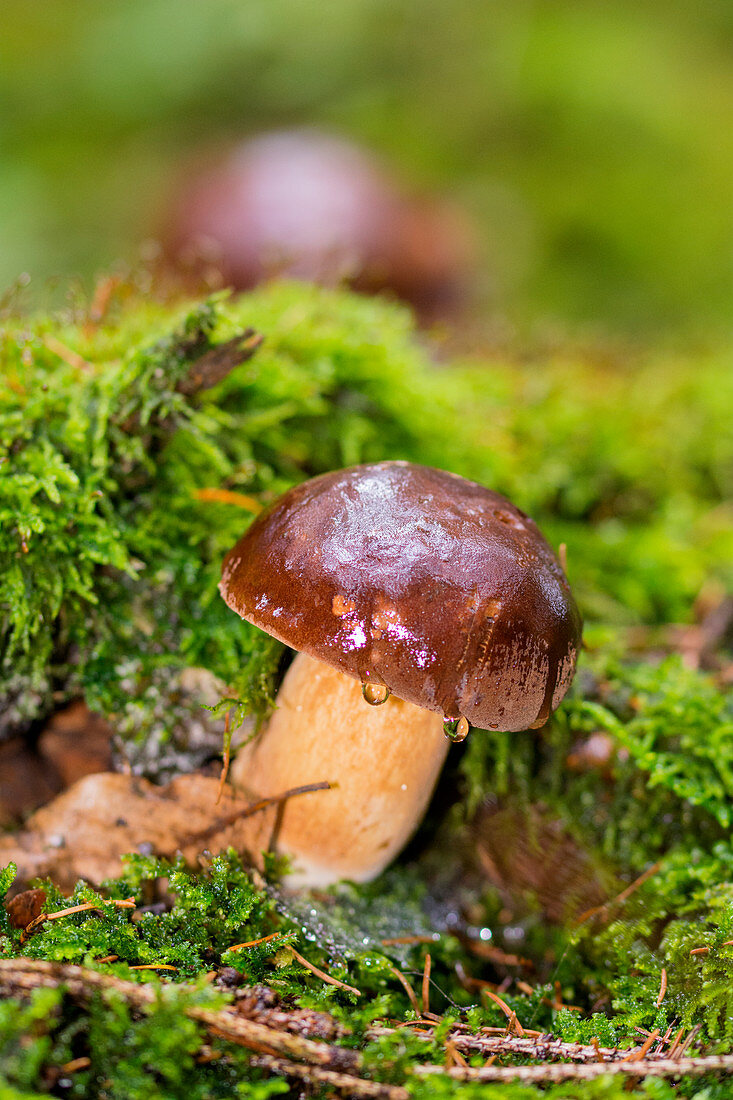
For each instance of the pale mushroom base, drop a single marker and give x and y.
(382, 762)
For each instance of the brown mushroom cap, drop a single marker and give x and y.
(414, 578)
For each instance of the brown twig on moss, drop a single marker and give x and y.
(228, 496)
(126, 903)
(513, 1025)
(395, 941)
(24, 975)
(226, 758)
(641, 1053)
(411, 996)
(343, 1082)
(321, 973)
(78, 362)
(254, 943)
(426, 984)
(533, 1044)
(213, 366)
(662, 988)
(221, 823)
(568, 1071)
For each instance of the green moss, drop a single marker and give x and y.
(130, 1054)
(109, 561)
(207, 913)
(108, 588)
(668, 779)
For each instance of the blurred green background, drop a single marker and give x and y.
(590, 140)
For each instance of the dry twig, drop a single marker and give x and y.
(24, 975)
(254, 943)
(321, 973)
(532, 1045)
(514, 1024)
(352, 1086)
(126, 903)
(662, 987)
(426, 984)
(226, 758)
(567, 1071)
(228, 496)
(294, 1056)
(214, 365)
(407, 988)
(249, 811)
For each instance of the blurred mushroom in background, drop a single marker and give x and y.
(312, 206)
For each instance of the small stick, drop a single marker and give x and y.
(103, 292)
(689, 1040)
(228, 496)
(321, 973)
(453, 1055)
(640, 1054)
(675, 1044)
(75, 1064)
(254, 943)
(71, 358)
(534, 1044)
(225, 760)
(568, 1071)
(214, 365)
(407, 988)
(396, 941)
(662, 987)
(343, 1082)
(249, 811)
(511, 1016)
(700, 951)
(128, 903)
(153, 966)
(426, 984)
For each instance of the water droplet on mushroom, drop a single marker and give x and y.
(375, 694)
(456, 729)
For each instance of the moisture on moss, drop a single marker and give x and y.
(121, 488)
(111, 537)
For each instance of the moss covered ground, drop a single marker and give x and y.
(588, 889)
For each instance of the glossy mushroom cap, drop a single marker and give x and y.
(315, 207)
(417, 579)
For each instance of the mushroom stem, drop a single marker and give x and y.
(382, 762)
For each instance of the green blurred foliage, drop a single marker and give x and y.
(591, 141)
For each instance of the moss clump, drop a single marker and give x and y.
(122, 487)
(118, 1045)
(109, 555)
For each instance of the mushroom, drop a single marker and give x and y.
(438, 596)
(316, 207)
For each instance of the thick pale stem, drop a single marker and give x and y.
(383, 763)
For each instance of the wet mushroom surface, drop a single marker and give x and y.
(447, 606)
(417, 581)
